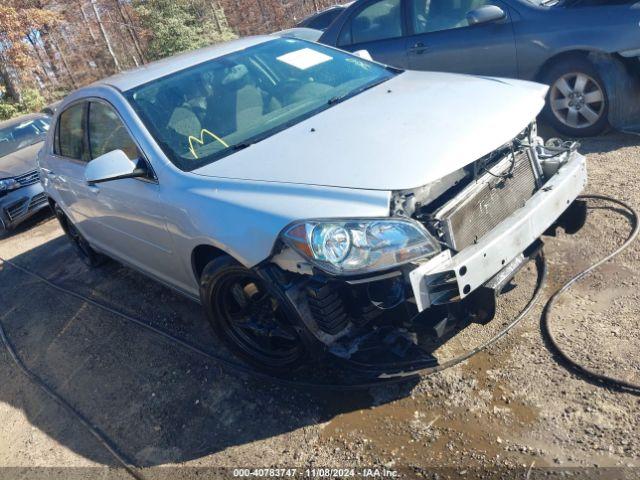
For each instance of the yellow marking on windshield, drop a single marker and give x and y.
(200, 140)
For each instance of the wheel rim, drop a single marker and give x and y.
(577, 100)
(255, 321)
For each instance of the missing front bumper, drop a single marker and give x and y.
(460, 275)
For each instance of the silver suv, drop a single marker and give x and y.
(312, 201)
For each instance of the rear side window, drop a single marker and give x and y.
(380, 20)
(70, 133)
(107, 132)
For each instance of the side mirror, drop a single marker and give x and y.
(485, 14)
(114, 165)
(364, 54)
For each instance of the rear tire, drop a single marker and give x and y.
(87, 254)
(577, 103)
(249, 318)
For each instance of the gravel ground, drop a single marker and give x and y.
(509, 411)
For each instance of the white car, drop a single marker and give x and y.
(312, 201)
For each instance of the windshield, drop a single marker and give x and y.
(22, 135)
(208, 111)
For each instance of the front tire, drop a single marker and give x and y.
(87, 254)
(249, 318)
(577, 103)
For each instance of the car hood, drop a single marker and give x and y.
(407, 132)
(19, 162)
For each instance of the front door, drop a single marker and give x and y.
(442, 40)
(65, 168)
(378, 28)
(129, 223)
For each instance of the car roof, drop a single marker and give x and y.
(151, 71)
(18, 120)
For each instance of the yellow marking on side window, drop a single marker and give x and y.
(200, 140)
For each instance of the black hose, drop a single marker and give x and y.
(99, 436)
(545, 321)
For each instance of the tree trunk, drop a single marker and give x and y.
(50, 50)
(134, 32)
(105, 37)
(10, 79)
(46, 67)
(127, 21)
(87, 22)
(214, 8)
(63, 59)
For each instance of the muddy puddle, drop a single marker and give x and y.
(421, 429)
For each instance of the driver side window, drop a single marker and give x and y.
(437, 15)
(107, 132)
(70, 133)
(380, 20)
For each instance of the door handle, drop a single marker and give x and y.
(419, 48)
(93, 189)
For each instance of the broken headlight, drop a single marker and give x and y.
(7, 184)
(354, 247)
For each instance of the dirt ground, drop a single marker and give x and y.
(507, 412)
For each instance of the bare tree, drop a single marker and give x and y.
(87, 22)
(45, 64)
(63, 59)
(130, 29)
(105, 37)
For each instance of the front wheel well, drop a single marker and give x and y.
(202, 255)
(563, 57)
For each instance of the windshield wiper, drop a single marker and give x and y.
(338, 99)
(353, 93)
(241, 146)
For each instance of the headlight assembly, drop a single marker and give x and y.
(7, 184)
(350, 247)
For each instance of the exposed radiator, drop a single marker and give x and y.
(484, 204)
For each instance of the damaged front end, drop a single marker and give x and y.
(479, 226)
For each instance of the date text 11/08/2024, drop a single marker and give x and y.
(316, 472)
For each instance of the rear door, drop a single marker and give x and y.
(377, 26)
(441, 39)
(128, 214)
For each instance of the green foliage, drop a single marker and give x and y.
(7, 110)
(180, 25)
(32, 101)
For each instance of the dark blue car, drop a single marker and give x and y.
(588, 51)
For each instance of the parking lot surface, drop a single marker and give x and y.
(510, 407)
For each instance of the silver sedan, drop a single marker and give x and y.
(312, 201)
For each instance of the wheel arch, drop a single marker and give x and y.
(581, 53)
(202, 255)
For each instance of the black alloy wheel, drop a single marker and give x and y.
(249, 318)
